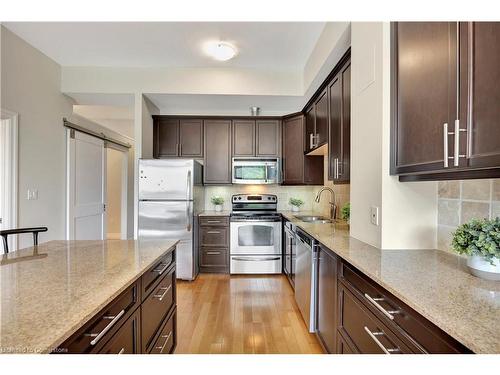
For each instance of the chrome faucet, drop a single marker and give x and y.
(333, 206)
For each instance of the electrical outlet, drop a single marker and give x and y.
(374, 215)
(32, 194)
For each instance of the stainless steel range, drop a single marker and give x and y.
(255, 234)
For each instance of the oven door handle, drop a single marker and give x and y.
(255, 259)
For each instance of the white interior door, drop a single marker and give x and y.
(86, 187)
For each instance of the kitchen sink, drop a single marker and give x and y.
(313, 219)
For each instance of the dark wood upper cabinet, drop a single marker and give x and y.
(480, 93)
(166, 137)
(321, 119)
(310, 129)
(217, 168)
(243, 138)
(268, 138)
(299, 169)
(177, 137)
(191, 138)
(339, 150)
(444, 93)
(327, 300)
(425, 93)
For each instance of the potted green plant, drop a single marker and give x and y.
(480, 241)
(345, 212)
(296, 203)
(217, 201)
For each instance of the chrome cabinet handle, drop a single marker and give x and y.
(213, 252)
(456, 154)
(167, 338)
(255, 259)
(161, 270)
(388, 314)
(122, 350)
(213, 232)
(180, 149)
(98, 336)
(213, 221)
(161, 296)
(311, 140)
(374, 335)
(445, 144)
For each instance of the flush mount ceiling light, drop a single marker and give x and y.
(221, 51)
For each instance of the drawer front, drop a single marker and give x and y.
(104, 325)
(165, 342)
(214, 236)
(127, 339)
(258, 264)
(151, 277)
(419, 334)
(367, 332)
(207, 221)
(214, 257)
(156, 307)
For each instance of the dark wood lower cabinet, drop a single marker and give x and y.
(214, 244)
(364, 308)
(135, 321)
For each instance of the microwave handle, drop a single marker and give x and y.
(267, 167)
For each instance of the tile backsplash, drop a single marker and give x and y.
(284, 193)
(460, 201)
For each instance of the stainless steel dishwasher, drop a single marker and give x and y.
(306, 278)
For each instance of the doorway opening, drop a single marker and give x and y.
(8, 174)
(116, 193)
(96, 207)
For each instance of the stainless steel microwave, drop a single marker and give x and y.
(256, 171)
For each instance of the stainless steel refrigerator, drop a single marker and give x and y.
(170, 198)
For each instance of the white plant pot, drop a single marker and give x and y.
(218, 207)
(295, 208)
(480, 267)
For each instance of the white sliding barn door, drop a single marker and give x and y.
(86, 187)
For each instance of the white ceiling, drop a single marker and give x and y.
(181, 104)
(276, 45)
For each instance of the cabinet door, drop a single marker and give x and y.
(268, 138)
(480, 93)
(167, 138)
(344, 167)
(191, 138)
(327, 300)
(335, 114)
(217, 168)
(126, 339)
(424, 94)
(310, 130)
(321, 115)
(243, 138)
(293, 153)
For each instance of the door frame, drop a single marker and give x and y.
(10, 155)
(124, 187)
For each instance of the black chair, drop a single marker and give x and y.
(7, 232)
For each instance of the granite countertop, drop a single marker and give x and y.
(214, 213)
(48, 292)
(434, 283)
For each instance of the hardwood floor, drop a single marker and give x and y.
(240, 314)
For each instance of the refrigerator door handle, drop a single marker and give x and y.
(188, 216)
(188, 188)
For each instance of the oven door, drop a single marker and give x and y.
(255, 237)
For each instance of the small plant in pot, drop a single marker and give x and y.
(217, 202)
(345, 212)
(296, 203)
(480, 241)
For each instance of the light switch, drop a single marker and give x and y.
(374, 215)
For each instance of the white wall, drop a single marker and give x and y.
(30, 86)
(332, 44)
(230, 81)
(408, 211)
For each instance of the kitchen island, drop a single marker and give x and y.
(59, 289)
(433, 283)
